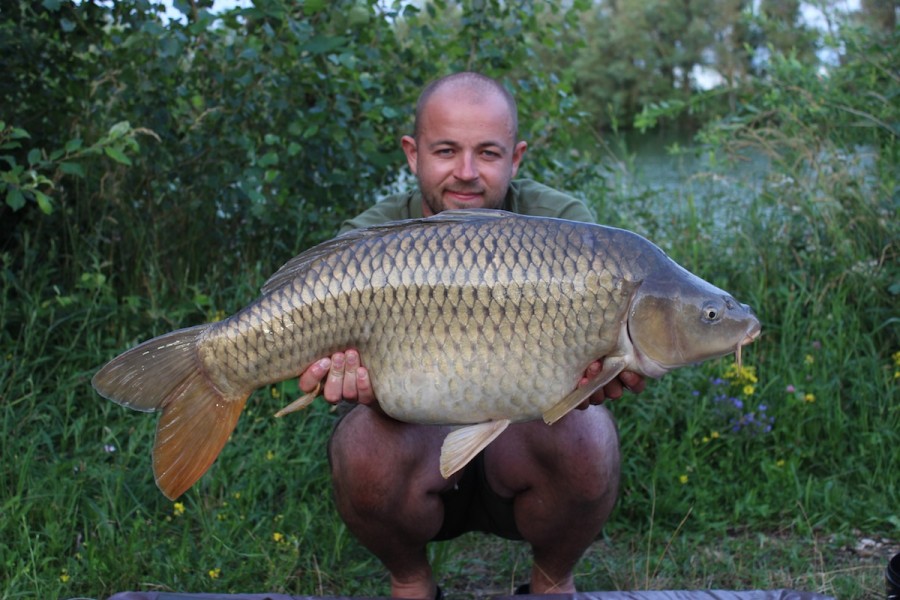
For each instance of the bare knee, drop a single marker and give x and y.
(576, 460)
(379, 465)
(590, 459)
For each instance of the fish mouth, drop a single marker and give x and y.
(751, 335)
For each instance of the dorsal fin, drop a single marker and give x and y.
(302, 261)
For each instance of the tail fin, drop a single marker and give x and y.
(165, 374)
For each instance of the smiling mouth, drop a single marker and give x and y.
(465, 194)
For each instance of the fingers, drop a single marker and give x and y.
(314, 374)
(334, 383)
(613, 390)
(342, 378)
(349, 388)
(632, 381)
(365, 394)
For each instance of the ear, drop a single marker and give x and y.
(518, 151)
(411, 151)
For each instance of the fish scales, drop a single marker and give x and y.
(465, 318)
(526, 302)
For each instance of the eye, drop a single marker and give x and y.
(712, 311)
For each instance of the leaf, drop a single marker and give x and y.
(34, 156)
(311, 7)
(15, 199)
(322, 44)
(73, 145)
(119, 129)
(72, 168)
(310, 131)
(117, 155)
(268, 159)
(44, 202)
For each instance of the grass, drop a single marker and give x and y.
(759, 477)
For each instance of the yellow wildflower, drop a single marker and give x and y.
(178, 509)
(214, 573)
(749, 389)
(714, 435)
(896, 358)
(278, 537)
(64, 576)
(683, 479)
(270, 455)
(809, 359)
(809, 397)
(740, 374)
(276, 393)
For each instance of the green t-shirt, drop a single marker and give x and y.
(525, 197)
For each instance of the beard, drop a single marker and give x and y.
(434, 199)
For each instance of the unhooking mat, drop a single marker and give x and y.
(648, 595)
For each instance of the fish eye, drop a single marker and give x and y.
(711, 311)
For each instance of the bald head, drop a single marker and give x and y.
(472, 88)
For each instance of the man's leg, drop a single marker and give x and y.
(565, 480)
(387, 479)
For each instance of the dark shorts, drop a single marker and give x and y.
(473, 506)
(470, 506)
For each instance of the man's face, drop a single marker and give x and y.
(466, 153)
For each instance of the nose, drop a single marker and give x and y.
(466, 168)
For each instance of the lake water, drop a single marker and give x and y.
(667, 179)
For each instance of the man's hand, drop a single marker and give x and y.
(342, 378)
(626, 380)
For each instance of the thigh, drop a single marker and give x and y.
(581, 448)
(367, 442)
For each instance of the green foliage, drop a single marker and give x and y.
(664, 55)
(21, 186)
(813, 246)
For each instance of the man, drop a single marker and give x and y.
(553, 487)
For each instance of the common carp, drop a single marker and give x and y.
(475, 318)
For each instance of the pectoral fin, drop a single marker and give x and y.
(463, 444)
(611, 368)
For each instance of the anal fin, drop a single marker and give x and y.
(463, 444)
(611, 368)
